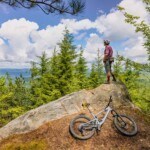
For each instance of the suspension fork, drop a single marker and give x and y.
(114, 113)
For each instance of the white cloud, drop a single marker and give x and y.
(21, 41)
(16, 37)
(135, 7)
(94, 42)
(14, 65)
(113, 27)
(134, 50)
(101, 11)
(1, 41)
(2, 52)
(47, 39)
(81, 36)
(75, 26)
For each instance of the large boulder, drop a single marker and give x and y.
(67, 105)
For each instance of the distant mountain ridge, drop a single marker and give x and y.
(15, 72)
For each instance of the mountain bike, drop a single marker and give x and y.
(82, 127)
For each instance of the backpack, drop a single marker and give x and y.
(111, 59)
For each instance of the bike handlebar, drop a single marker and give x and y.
(110, 100)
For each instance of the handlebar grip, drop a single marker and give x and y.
(85, 104)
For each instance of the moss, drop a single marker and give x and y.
(32, 145)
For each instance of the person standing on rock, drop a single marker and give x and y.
(108, 60)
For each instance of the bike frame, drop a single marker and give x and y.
(98, 123)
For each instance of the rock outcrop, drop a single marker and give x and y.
(67, 105)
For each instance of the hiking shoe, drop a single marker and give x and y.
(114, 80)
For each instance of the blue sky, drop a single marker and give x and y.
(100, 20)
(91, 12)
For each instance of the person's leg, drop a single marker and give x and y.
(112, 74)
(114, 79)
(107, 69)
(108, 76)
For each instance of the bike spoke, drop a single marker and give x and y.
(125, 124)
(82, 128)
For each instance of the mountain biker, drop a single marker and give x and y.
(108, 59)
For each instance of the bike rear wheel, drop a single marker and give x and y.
(126, 125)
(80, 127)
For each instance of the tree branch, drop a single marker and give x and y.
(72, 7)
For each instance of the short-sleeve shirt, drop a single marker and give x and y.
(108, 51)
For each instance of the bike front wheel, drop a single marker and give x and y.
(81, 128)
(126, 125)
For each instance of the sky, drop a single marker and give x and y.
(25, 34)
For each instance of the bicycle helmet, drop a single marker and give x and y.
(107, 42)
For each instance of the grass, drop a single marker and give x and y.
(31, 145)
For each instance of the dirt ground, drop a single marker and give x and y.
(56, 136)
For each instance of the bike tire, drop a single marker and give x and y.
(123, 130)
(76, 134)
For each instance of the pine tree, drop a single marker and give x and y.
(34, 76)
(118, 67)
(94, 80)
(5, 102)
(13, 99)
(130, 73)
(54, 76)
(40, 88)
(81, 71)
(43, 64)
(9, 82)
(97, 74)
(67, 58)
(19, 91)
